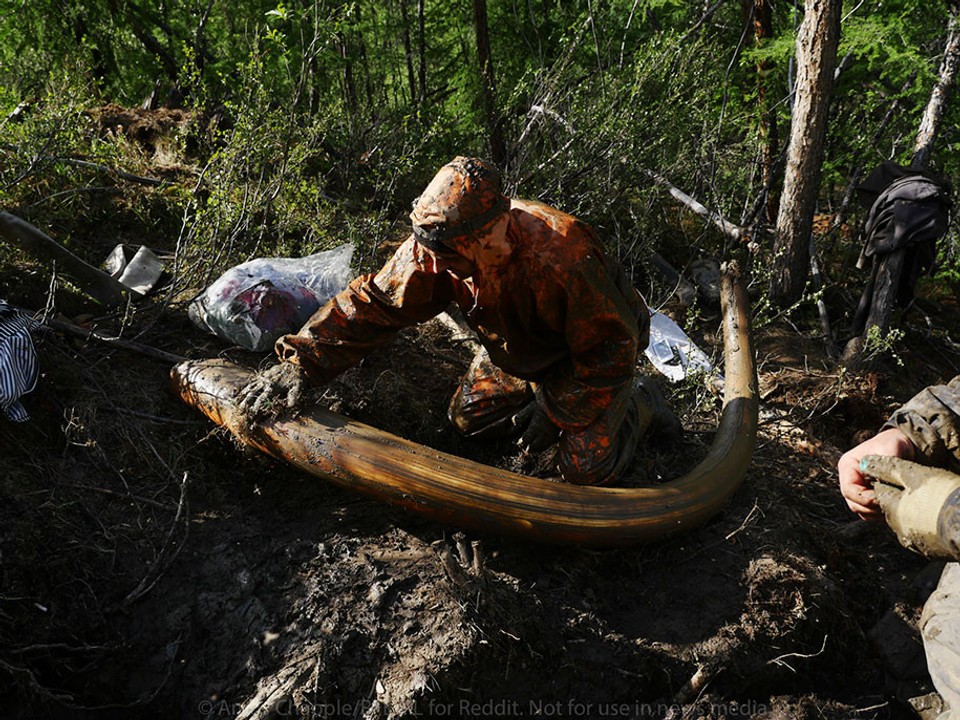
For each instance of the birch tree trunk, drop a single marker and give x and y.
(817, 43)
(933, 113)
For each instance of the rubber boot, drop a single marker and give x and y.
(664, 424)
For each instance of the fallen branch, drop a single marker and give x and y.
(151, 352)
(76, 191)
(153, 182)
(96, 283)
(730, 230)
(166, 556)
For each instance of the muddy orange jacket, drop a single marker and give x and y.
(558, 313)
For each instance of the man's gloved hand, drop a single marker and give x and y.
(539, 432)
(272, 390)
(921, 504)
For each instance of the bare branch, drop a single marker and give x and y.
(730, 230)
(153, 182)
(151, 352)
(95, 282)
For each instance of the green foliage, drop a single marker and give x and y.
(52, 128)
(879, 344)
(309, 128)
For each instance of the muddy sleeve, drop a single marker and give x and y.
(368, 314)
(931, 419)
(603, 331)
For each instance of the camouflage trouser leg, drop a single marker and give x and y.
(488, 399)
(600, 452)
(940, 626)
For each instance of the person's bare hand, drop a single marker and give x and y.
(856, 489)
(280, 387)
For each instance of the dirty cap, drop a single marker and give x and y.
(463, 197)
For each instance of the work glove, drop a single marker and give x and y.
(540, 432)
(280, 387)
(921, 504)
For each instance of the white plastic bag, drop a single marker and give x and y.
(257, 302)
(672, 352)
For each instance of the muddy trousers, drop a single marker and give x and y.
(940, 626)
(492, 404)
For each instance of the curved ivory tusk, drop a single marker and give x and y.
(457, 491)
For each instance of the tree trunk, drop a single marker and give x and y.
(142, 23)
(349, 88)
(882, 289)
(758, 14)
(408, 52)
(421, 52)
(487, 85)
(930, 123)
(817, 43)
(889, 269)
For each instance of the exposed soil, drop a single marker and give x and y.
(153, 568)
(150, 567)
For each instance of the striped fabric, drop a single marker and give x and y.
(18, 361)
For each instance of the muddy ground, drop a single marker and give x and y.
(150, 567)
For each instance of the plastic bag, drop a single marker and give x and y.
(672, 352)
(257, 302)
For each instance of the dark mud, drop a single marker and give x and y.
(153, 568)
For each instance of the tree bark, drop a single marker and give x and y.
(889, 269)
(487, 85)
(937, 104)
(817, 43)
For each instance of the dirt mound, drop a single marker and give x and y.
(156, 134)
(152, 568)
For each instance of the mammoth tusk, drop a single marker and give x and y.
(457, 491)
